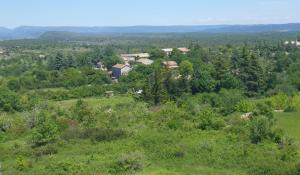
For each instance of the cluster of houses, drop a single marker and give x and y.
(119, 70)
(2, 51)
(296, 43)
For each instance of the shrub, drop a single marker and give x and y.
(83, 113)
(225, 101)
(22, 164)
(9, 101)
(5, 123)
(264, 108)
(45, 131)
(245, 106)
(210, 120)
(296, 101)
(100, 134)
(49, 149)
(96, 134)
(65, 167)
(261, 128)
(280, 101)
(131, 163)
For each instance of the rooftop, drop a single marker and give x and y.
(119, 66)
(141, 55)
(145, 61)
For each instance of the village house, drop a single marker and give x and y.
(2, 51)
(145, 61)
(133, 57)
(170, 64)
(101, 66)
(183, 50)
(297, 43)
(167, 51)
(119, 70)
(42, 56)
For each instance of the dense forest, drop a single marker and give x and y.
(231, 107)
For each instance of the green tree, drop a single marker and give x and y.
(45, 131)
(57, 63)
(202, 81)
(155, 90)
(186, 71)
(84, 114)
(252, 75)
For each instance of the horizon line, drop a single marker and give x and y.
(145, 25)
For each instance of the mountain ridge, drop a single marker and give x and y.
(24, 32)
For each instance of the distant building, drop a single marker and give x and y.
(170, 64)
(296, 43)
(101, 66)
(119, 70)
(42, 56)
(133, 57)
(183, 50)
(2, 51)
(145, 61)
(167, 51)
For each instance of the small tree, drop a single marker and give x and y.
(45, 131)
(83, 113)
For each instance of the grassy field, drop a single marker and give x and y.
(289, 122)
(186, 151)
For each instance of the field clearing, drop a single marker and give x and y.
(289, 122)
(101, 101)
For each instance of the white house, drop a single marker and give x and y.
(167, 51)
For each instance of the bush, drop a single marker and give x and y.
(22, 164)
(9, 101)
(100, 134)
(245, 106)
(95, 134)
(264, 108)
(210, 120)
(5, 123)
(296, 101)
(45, 131)
(131, 163)
(261, 128)
(225, 101)
(83, 113)
(49, 149)
(280, 101)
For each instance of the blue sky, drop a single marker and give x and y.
(146, 12)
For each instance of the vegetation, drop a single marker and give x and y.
(229, 108)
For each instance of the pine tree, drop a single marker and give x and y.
(58, 62)
(252, 75)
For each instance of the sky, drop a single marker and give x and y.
(15, 13)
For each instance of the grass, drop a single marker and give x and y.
(200, 152)
(101, 101)
(289, 122)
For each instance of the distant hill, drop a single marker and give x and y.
(35, 32)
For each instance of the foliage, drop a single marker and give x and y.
(210, 120)
(245, 106)
(9, 101)
(83, 113)
(132, 162)
(45, 131)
